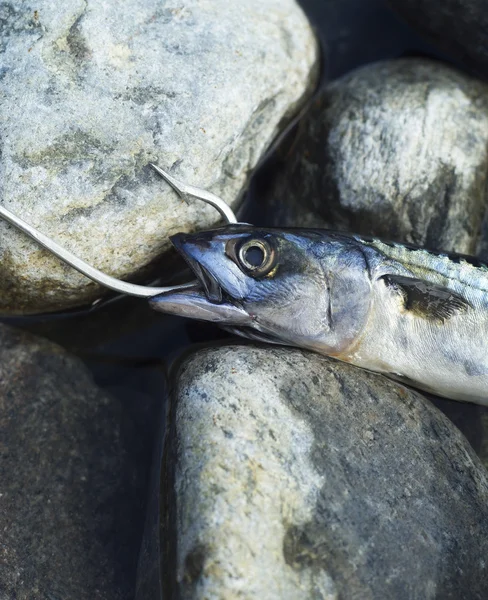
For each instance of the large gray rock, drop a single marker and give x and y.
(71, 495)
(300, 477)
(94, 91)
(459, 27)
(395, 149)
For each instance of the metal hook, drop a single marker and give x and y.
(83, 267)
(106, 280)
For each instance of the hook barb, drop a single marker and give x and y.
(185, 191)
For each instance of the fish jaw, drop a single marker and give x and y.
(194, 304)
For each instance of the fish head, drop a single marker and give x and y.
(297, 287)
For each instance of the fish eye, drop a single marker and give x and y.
(256, 257)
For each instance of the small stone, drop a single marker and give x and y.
(92, 92)
(459, 27)
(395, 149)
(70, 506)
(297, 476)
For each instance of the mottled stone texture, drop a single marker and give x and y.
(91, 92)
(396, 149)
(300, 477)
(459, 27)
(70, 511)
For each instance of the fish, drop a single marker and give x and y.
(416, 316)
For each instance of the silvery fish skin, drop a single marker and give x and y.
(411, 314)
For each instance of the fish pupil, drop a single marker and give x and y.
(254, 256)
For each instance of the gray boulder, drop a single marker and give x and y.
(459, 27)
(296, 476)
(71, 492)
(396, 149)
(92, 92)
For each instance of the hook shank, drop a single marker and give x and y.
(183, 189)
(83, 267)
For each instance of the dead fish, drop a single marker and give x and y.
(416, 316)
(408, 313)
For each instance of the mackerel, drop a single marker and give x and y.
(414, 315)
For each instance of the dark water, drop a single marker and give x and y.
(129, 348)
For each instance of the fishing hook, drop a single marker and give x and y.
(184, 191)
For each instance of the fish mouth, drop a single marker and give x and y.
(207, 300)
(209, 283)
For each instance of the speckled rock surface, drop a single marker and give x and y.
(300, 477)
(91, 92)
(459, 27)
(395, 149)
(71, 503)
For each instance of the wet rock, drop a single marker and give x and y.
(396, 149)
(459, 27)
(71, 495)
(92, 92)
(300, 477)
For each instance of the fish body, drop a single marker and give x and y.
(416, 316)
(440, 346)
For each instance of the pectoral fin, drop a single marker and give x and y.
(425, 299)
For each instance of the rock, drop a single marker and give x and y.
(92, 92)
(396, 149)
(71, 495)
(296, 476)
(459, 27)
